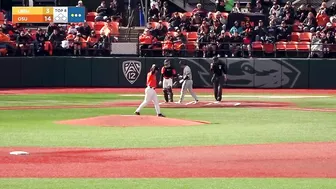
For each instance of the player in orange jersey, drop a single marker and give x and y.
(150, 94)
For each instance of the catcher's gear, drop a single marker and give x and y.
(165, 94)
(166, 63)
(170, 94)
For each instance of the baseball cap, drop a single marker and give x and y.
(154, 67)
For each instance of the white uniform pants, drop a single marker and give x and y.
(167, 82)
(150, 95)
(187, 85)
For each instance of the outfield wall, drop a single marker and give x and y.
(131, 72)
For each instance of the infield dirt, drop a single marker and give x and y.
(308, 160)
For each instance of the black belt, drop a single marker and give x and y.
(151, 87)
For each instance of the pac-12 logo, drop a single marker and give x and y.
(132, 70)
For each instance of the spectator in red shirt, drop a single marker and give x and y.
(322, 19)
(202, 12)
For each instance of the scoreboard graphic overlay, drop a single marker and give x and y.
(48, 14)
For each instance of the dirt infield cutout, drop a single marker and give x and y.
(296, 160)
(131, 121)
(202, 104)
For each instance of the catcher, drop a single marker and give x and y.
(168, 73)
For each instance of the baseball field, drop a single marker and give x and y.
(89, 138)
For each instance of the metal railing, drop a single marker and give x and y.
(192, 49)
(160, 49)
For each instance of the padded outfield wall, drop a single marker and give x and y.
(19, 72)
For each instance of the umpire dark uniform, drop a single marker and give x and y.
(218, 70)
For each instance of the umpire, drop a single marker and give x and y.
(218, 71)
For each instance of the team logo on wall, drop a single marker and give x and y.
(201, 68)
(264, 74)
(131, 70)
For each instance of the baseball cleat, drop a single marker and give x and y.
(137, 113)
(178, 102)
(161, 115)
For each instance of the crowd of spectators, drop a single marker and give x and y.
(87, 38)
(170, 31)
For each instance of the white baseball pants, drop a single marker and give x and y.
(150, 95)
(167, 82)
(187, 85)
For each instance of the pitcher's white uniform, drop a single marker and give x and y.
(150, 93)
(187, 84)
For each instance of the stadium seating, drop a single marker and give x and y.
(306, 36)
(192, 36)
(91, 16)
(2, 17)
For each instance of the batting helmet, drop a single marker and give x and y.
(182, 62)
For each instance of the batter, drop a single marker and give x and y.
(187, 82)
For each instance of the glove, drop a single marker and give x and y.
(181, 81)
(180, 76)
(176, 83)
(160, 83)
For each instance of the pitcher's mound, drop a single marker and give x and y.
(131, 121)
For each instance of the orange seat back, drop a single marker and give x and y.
(2, 17)
(304, 46)
(306, 36)
(192, 36)
(99, 25)
(280, 45)
(257, 45)
(115, 28)
(268, 47)
(295, 36)
(292, 45)
(188, 14)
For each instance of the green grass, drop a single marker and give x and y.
(87, 99)
(229, 126)
(59, 99)
(256, 183)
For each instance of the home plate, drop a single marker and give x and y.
(237, 104)
(19, 153)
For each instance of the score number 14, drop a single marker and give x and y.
(47, 18)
